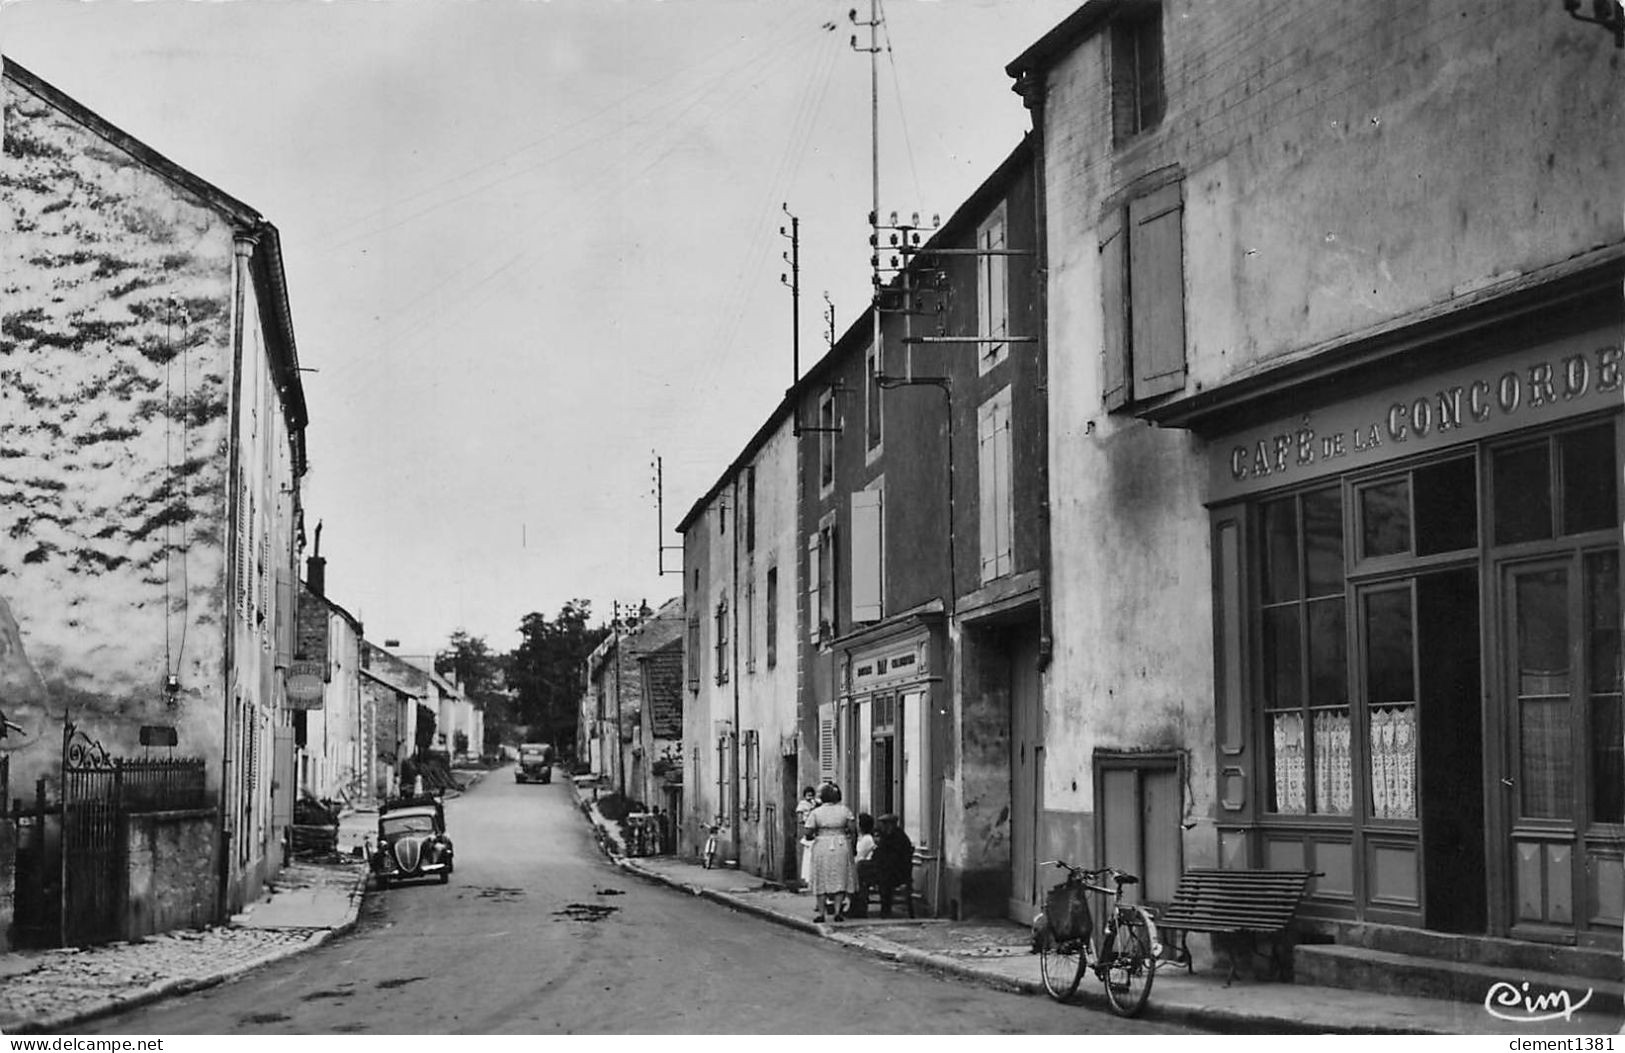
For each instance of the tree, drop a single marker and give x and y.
(483, 675)
(546, 670)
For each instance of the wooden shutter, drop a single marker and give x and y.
(1114, 311)
(993, 483)
(285, 615)
(993, 279)
(827, 744)
(1157, 291)
(867, 591)
(986, 482)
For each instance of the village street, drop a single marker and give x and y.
(537, 933)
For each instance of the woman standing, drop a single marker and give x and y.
(831, 827)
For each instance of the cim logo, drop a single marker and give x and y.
(1506, 1001)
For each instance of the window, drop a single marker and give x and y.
(868, 553)
(772, 629)
(821, 582)
(1303, 652)
(753, 776)
(992, 290)
(1138, 99)
(826, 439)
(1143, 298)
(692, 657)
(750, 509)
(747, 631)
(722, 641)
(993, 481)
(874, 416)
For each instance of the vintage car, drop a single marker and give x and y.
(412, 841)
(535, 763)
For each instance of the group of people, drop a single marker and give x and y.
(845, 857)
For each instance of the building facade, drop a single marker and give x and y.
(745, 763)
(1335, 388)
(152, 421)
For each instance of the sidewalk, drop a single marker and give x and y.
(51, 991)
(997, 953)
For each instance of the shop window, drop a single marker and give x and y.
(1540, 613)
(1428, 511)
(883, 756)
(1556, 487)
(1304, 655)
(1142, 259)
(1389, 636)
(1607, 741)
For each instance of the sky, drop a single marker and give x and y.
(534, 245)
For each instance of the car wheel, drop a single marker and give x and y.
(445, 876)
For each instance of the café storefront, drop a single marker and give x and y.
(1416, 574)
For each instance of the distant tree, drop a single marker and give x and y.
(546, 670)
(425, 736)
(483, 674)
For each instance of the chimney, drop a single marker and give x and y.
(316, 567)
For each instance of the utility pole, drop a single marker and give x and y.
(661, 548)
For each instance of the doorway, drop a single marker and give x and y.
(1026, 776)
(1451, 730)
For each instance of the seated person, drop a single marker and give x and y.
(893, 860)
(863, 856)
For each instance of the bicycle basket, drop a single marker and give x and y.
(1067, 908)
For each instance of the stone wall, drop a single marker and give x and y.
(172, 883)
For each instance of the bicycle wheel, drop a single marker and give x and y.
(1061, 964)
(1130, 961)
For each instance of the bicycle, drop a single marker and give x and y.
(1126, 962)
(709, 856)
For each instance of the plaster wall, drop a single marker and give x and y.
(115, 388)
(170, 872)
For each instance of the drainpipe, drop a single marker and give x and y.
(1031, 89)
(242, 254)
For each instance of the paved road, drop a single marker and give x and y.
(538, 933)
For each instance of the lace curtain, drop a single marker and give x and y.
(1393, 763)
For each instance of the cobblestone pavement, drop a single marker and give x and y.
(47, 991)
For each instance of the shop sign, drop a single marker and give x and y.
(303, 684)
(1488, 398)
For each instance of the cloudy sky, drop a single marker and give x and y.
(533, 244)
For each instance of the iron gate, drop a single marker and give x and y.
(98, 791)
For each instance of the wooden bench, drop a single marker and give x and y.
(1252, 903)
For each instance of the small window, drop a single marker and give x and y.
(826, 440)
(772, 631)
(874, 415)
(1138, 100)
(722, 642)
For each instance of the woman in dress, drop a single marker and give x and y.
(831, 827)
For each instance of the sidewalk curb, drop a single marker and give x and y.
(1210, 1018)
(186, 985)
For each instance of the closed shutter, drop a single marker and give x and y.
(827, 744)
(1157, 292)
(993, 484)
(285, 614)
(867, 592)
(1114, 311)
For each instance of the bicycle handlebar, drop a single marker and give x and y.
(1122, 877)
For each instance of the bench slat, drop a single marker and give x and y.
(1217, 900)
